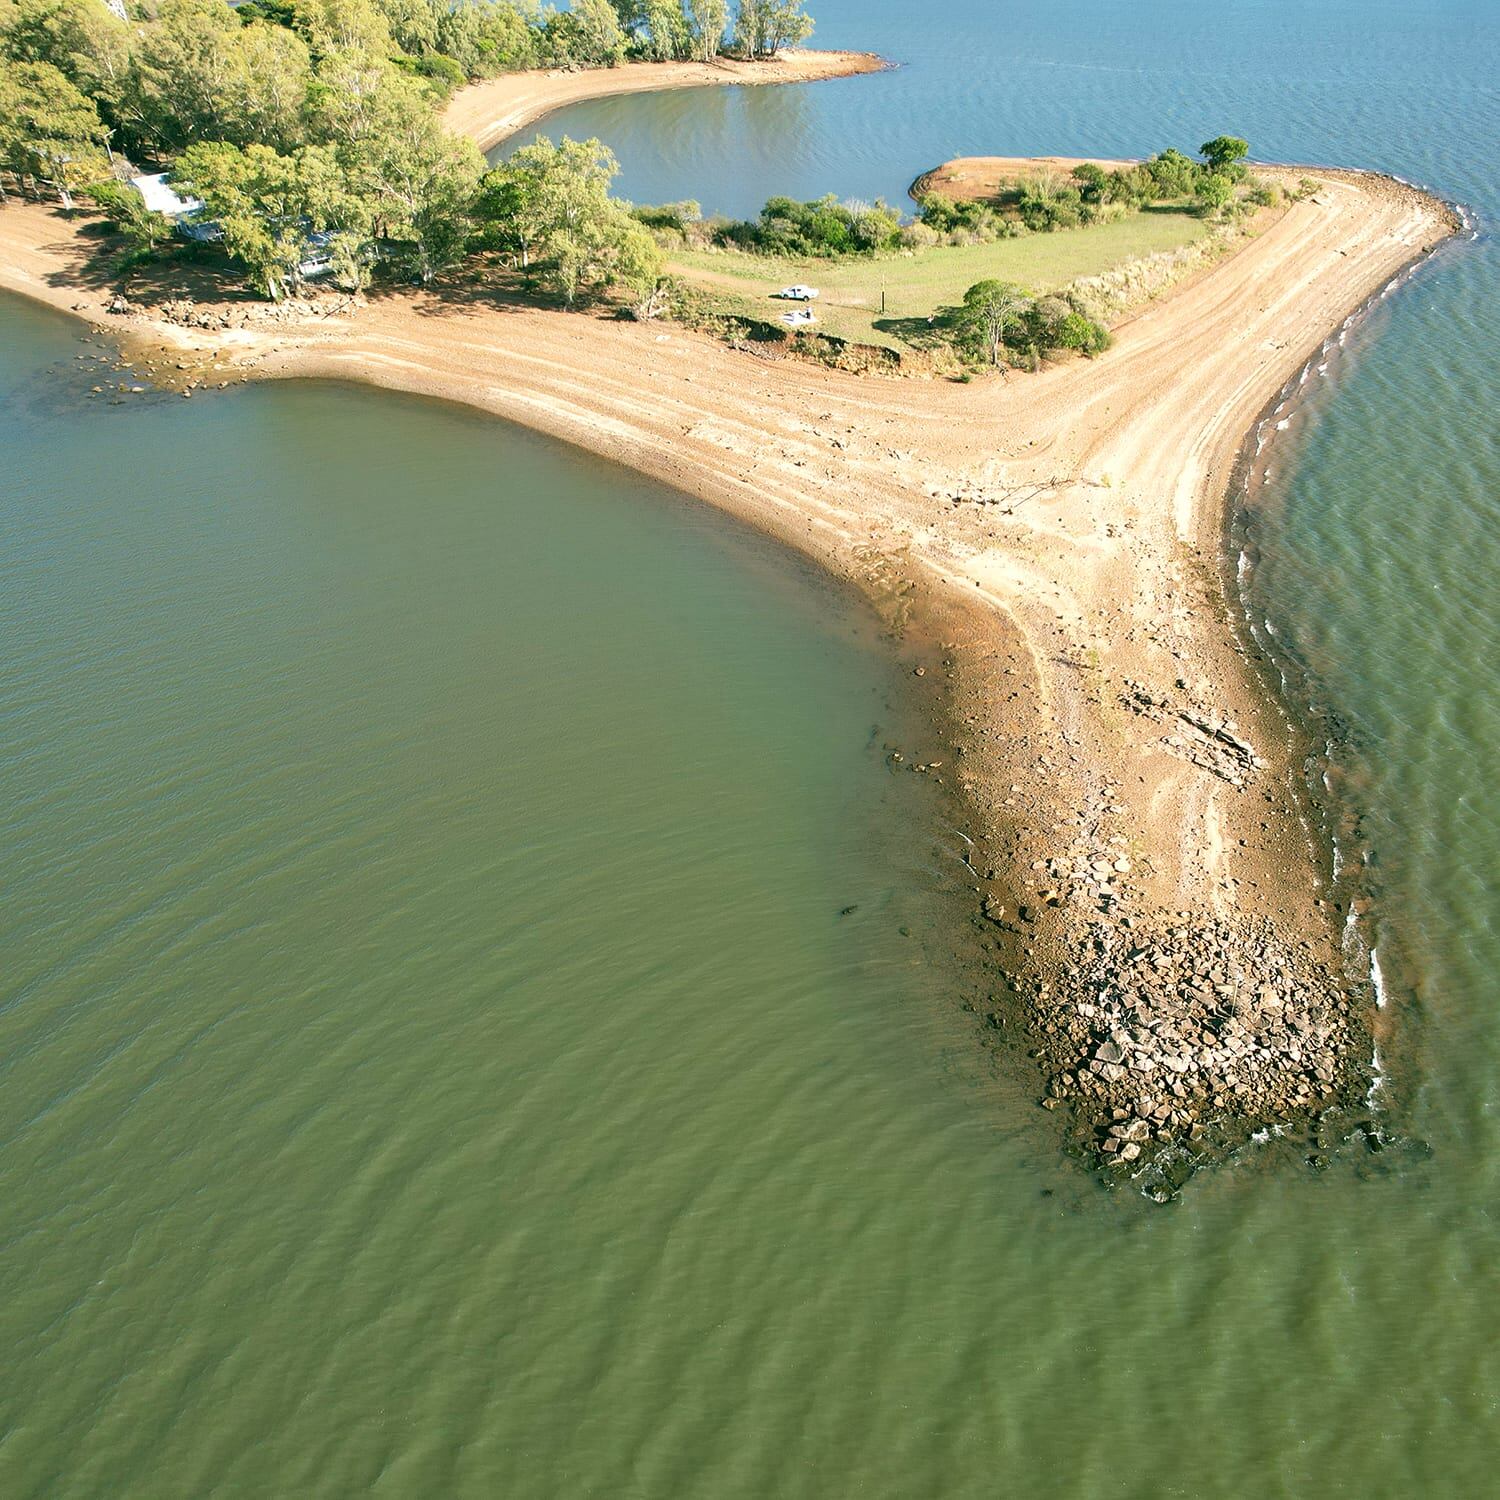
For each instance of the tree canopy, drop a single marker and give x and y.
(1224, 153)
(988, 310)
(49, 129)
(550, 203)
(764, 27)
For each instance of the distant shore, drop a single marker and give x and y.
(488, 112)
(1052, 544)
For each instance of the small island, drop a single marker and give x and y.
(1013, 428)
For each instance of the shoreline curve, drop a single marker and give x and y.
(491, 111)
(1050, 549)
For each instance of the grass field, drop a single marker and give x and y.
(916, 283)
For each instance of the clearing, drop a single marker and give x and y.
(915, 283)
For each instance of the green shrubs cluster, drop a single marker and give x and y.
(999, 323)
(678, 220)
(822, 227)
(1047, 201)
(965, 222)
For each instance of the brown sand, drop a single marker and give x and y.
(490, 111)
(984, 176)
(1062, 531)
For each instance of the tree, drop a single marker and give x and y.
(988, 311)
(197, 74)
(1214, 192)
(588, 33)
(416, 179)
(126, 209)
(267, 204)
(541, 187)
(420, 180)
(1173, 174)
(709, 22)
(766, 26)
(486, 38)
(332, 26)
(82, 39)
(48, 129)
(664, 30)
(1093, 181)
(551, 202)
(413, 23)
(352, 94)
(269, 88)
(1225, 154)
(601, 41)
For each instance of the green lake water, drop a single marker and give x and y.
(433, 1060)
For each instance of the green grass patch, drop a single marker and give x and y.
(917, 283)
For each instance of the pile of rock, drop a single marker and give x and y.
(1198, 735)
(1154, 1035)
(186, 313)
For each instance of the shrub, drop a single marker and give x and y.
(1077, 331)
(1092, 181)
(1214, 193)
(672, 217)
(1045, 203)
(821, 227)
(442, 74)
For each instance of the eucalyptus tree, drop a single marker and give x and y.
(82, 39)
(486, 37)
(416, 179)
(989, 310)
(267, 204)
(49, 129)
(197, 74)
(764, 27)
(551, 203)
(708, 22)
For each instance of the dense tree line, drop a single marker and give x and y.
(311, 125)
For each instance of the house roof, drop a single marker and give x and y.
(160, 198)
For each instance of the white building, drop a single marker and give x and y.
(161, 198)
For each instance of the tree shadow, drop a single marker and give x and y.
(87, 252)
(482, 283)
(917, 333)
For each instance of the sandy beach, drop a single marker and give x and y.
(489, 111)
(1051, 545)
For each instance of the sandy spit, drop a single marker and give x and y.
(498, 107)
(1058, 538)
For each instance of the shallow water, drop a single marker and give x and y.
(432, 1060)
